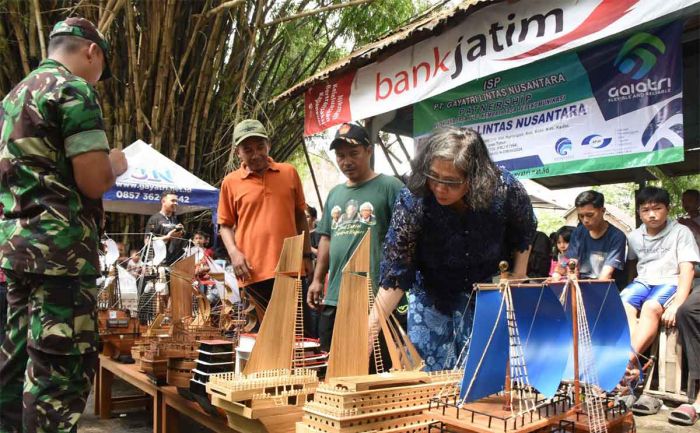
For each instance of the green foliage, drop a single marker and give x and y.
(369, 22)
(549, 220)
(675, 187)
(619, 194)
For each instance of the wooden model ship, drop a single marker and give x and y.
(352, 400)
(271, 391)
(178, 347)
(525, 334)
(117, 328)
(389, 402)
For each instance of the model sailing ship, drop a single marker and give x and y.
(535, 340)
(274, 385)
(118, 330)
(352, 400)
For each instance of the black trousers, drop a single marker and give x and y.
(261, 292)
(688, 323)
(326, 322)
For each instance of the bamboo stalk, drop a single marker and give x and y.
(110, 15)
(224, 6)
(16, 21)
(39, 27)
(134, 70)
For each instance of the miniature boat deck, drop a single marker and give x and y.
(489, 416)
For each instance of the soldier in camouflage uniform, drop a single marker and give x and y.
(55, 164)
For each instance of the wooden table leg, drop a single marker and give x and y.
(105, 378)
(170, 417)
(96, 393)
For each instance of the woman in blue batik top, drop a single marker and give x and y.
(458, 217)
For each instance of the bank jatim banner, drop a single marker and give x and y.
(608, 106)
(496, 38)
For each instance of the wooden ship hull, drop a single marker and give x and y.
(118, 332)
(157, 352)
(388, 402)
(489, 416)
(269, 401)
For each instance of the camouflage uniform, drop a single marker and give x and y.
(48, 247)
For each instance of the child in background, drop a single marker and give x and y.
(562, 238)
(135, 265)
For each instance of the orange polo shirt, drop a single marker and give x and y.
(261, 208)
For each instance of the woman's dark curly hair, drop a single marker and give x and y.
(467, 150)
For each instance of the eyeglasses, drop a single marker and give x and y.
(451, 184)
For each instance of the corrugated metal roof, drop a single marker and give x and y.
(422, 28)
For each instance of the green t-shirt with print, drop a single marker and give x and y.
(348, 213)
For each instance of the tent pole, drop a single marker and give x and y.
(313, 175)
(401, 145)
(388, 157)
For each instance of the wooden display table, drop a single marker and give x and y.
(164, 402)
(173, 405)
(105, 403)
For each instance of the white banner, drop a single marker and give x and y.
(496, 38)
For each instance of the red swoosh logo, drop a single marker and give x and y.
(606, 13)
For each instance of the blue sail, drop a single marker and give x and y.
(545, 335)
(610, 334)
(485, 369)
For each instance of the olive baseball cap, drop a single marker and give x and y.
(82, 28)
(248, 128)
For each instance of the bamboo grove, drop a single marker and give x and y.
(184, 71)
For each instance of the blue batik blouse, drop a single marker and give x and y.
(439, 251)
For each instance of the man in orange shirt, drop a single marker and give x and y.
(260, 205)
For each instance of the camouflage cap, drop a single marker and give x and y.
(248, 128)
(82, 28)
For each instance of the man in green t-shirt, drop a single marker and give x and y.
(365, 201)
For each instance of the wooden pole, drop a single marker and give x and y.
(313, 175)
(573, 287)
(508, 403)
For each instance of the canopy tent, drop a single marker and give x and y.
(138, 190)
(380, 83)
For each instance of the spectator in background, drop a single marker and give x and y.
(315, 237)
(688, 323)
(164, 225)
(663, 253)
(562, 237)
(597, 245)
(690, 200)
(135, 266)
